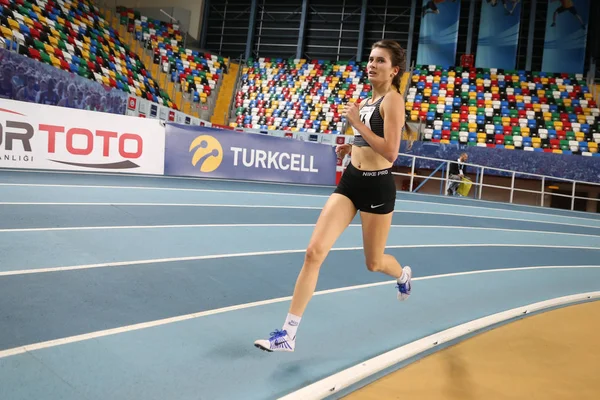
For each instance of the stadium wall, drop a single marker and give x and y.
(189, 13)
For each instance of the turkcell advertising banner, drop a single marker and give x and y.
(438, 36)
(498, 34)
(566, 36)
(36, 136)
(219, 153)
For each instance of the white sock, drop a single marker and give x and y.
(404, 277)
(291, 325)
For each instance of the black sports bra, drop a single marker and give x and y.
(371, 117)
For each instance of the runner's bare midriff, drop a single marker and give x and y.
(367, 159)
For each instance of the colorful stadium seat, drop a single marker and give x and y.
(297, 95)
(198, 73)
(506, 109)
(73, 36)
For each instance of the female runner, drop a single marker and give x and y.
(367, 186)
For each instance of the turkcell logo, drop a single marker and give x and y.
(254, 158)
(208, 153)
(207, 156)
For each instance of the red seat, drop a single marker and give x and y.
(35, 54)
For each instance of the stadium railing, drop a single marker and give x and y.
(481, 173)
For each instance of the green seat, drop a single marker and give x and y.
(508, 140)
(38, 45)
(516, 131)
(45, 57)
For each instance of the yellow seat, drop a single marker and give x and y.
(55, 61)
(557, 151)
(509, 147)
(7, 33)
(525, 131)
(13, 24)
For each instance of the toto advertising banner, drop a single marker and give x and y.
(217, 153)
(36, 136)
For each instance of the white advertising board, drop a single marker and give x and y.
(36, 136)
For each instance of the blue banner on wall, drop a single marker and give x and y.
(438, 36)
(26, 79)
(218, 153)
(498, 34)
(574, 167)
(566, 36)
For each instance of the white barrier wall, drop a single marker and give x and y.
(35, 136)
(139, 107)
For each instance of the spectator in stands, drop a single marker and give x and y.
(367, 185)
(456, 173)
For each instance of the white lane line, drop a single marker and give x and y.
(184, 226)
(285, 194)
(165, 321)
(148, 176)
(339, 381)
(163, 188)
(33, 203)
(288, 207)
(275, 252)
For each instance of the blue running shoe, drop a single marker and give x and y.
(279, 341)
(405, 288)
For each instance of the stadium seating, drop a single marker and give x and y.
(296, 95)
(199, 73)
(534, 111)
(73, 36)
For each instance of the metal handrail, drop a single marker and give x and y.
(499, 169)
(478, 183)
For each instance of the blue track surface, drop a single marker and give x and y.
(143, 249)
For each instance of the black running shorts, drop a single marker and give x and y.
(370, 191)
